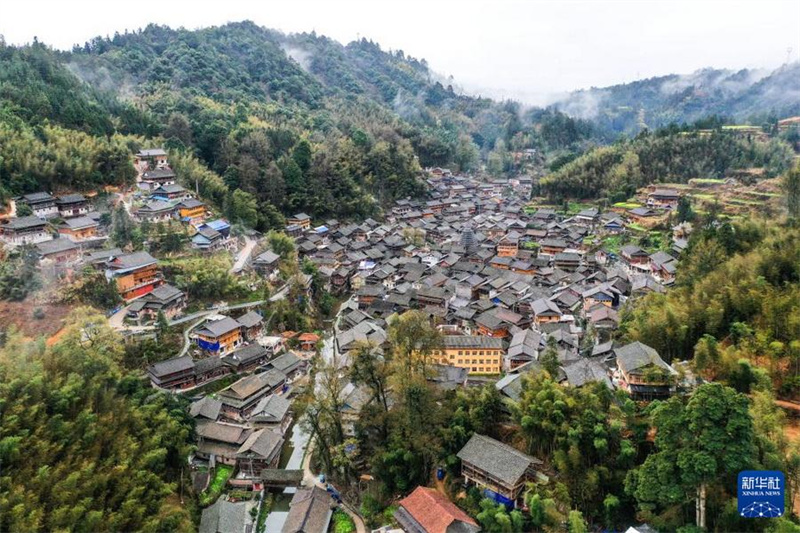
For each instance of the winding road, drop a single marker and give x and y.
(243, 255)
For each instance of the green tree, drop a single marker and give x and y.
(124, 232)
(685, 212)
(413, 340)
(576, 523)
(549, 357)
(242, 208)
(791, 184)
(281, 244)
(24, 210)
(699, 443)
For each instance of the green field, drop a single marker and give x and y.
(221, 475)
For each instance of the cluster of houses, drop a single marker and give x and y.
(503, 284)
(78, 229)
(167, 200)
(78, 225)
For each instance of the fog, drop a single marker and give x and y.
(528, 50)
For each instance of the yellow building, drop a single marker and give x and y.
(191, 210)
(476, 353)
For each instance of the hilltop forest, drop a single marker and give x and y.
(296, 123)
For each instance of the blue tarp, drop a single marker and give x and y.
(210, 346)
(499, 498)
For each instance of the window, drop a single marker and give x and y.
(460, 352)
(474, 368)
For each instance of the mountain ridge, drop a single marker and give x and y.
(754, 95)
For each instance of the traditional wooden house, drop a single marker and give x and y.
(191, 210)
(508, 246)
(641, 214)
(247, 358)
(156, 211)
(72, 205)
(220, 441)
(634, 256)
(150, 158)
(78, 228)
(525, 347)
(545, 311)
(310, 511)
(219, 337)
(663, 198)
(177, 373)
(25, 230)
(251, 324)
(170, 193)
(272, 412)
(553, 246)
(500, 470)
(266, 263)
(300, 219)
(642, 373)
(58, 251)
(136, 274)
(163, 299)
(42, 204)
(240, 398)
(260, 451)
(153, 179)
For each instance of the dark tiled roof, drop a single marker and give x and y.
(472, 342)
(70, 199)
(250, 319)
(220, 327)
(636, 355)
(170, 366)
(309, 512)
(55, 246)
(497, 459)
(37, 197)
(24, 223)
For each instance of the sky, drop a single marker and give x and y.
(529, 50)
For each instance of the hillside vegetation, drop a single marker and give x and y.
(747, 95)
(667, 156)
(83, 446)
(294, 122)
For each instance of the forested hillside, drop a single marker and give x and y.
(85, 445)
(736, 303)
(297, 123)
(745, 95)
(669, 155)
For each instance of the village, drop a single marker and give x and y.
(514, 288)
